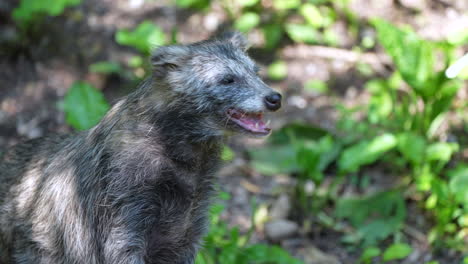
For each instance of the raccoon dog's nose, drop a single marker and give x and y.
(273, 101)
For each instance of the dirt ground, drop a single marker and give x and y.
(35, 76)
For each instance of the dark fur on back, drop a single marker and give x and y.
(136, 187)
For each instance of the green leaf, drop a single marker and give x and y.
(283, 160)
(272, 34)
(29, 8)
(84, 106)
(247, 21)
(412, 146)
(105, 67)
(441, 151)
(365, 152)
(297, 131)
(286, 4)
(312, 15)
(375, 217)
(142, 38)
(314, 157)
(413, 57)
(264, 254)
(278, 70)
(247, 3)
(370, 253)
(302, 33)
(316, 86)
(227, 154)
(397, 251)
(198, 4)
(459, 184)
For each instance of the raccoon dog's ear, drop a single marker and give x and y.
(235, 38)
(167, 58)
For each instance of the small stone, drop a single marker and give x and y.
(281, 207)
(414, 4)
(279, 229)
(313, 255)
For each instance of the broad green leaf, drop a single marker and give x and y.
(278, 70)
(441, 151)
(397, 251)
(84, 106)
(29, 8)
(302, 33)
(283, 160)
(297, 131)
(105, 67)
(413, 57)
(365, 152)
(412, 146)
(375, 217)
(316, 86)
(380, 107)
(227, 154)
(247, 21)
(314, 157)
(264, 254)
(330, 37)
(444, 98)
(145, 36)
(272, 34)
(246, 3)
(370, 253)
(459, 184)
(458, 37)
(198, 4)
(286, 4)
(312, 15)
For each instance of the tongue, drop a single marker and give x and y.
(254, 124)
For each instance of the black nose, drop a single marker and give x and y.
(273, 101)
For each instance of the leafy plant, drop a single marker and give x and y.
(374, 217)
(309, 22)
(84, 106)
(144, 37)
(397, 251)
(278, 70)
(29, 9)
(228, 246)
(405, 119)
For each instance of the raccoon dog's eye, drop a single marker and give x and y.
(228, 79)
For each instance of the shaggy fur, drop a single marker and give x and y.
(135, 188)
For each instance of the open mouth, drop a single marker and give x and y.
(252, 122)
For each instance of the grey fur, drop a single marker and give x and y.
(135, 188)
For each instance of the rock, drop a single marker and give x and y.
(281, 207)
(414, 4)
(279, 229)
(313, 255)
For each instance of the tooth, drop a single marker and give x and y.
(267, 122)
(256, 125)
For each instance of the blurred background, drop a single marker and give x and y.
(368, 162)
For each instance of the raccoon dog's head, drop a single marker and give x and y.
(217, 80)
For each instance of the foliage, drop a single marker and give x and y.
(315, 23)
(84, 106)
(106, 67)
(228, 246)
(375, 217)
(365, 152)
(400, 130)
(397, 251)
(277, 70)
(29, 9)
(144, 37)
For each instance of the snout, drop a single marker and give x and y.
(273, 101)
